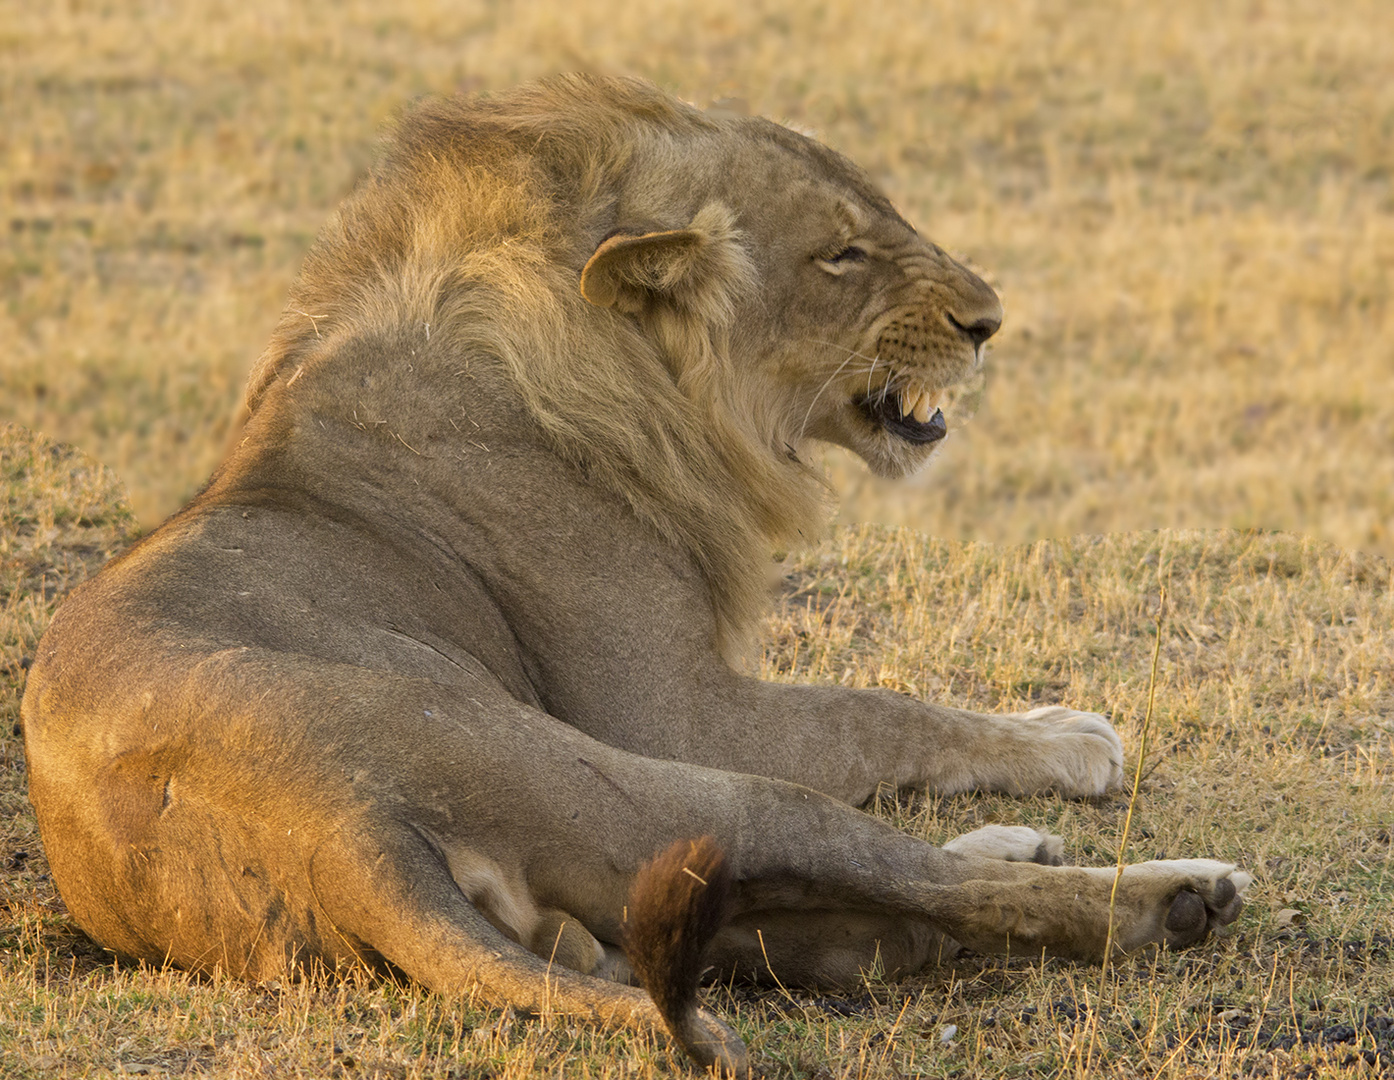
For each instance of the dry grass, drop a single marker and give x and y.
(1274, 747)
(1188, 209)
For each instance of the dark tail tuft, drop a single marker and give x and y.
(676, 906)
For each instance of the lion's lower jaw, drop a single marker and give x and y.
(894, 459)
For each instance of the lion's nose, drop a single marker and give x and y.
(975, 310)
(980, 329)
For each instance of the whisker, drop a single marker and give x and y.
(826, 383)
(869, 372)
(871, 367)
(850, 352)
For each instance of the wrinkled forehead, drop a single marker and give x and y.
(824, 166)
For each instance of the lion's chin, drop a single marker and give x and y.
(892, 457)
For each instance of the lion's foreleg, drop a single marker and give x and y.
(847, 743)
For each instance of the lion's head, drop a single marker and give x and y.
(681, 301)
(851, 329)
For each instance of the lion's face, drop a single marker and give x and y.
(846, 325)
(881, 332)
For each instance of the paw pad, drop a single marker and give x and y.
(1186, 918)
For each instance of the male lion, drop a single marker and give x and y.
(437, 662)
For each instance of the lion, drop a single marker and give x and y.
(448, 650)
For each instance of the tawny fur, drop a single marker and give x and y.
(439, 658)
(459, 229)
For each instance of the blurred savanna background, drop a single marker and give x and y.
(1188, 208)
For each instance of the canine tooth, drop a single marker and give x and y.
(909, 402)
(922, 408)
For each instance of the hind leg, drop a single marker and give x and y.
(825, 950)
(567, 823)
(420, 921)
(837, 951)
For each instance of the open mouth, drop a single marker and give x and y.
(918, 413)
(910, 413)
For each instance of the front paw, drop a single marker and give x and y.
(1010, 843)
(1080, 752)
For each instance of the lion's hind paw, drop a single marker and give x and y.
(1181, 901)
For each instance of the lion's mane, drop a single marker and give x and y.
(475, 224)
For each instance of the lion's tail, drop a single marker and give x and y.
(677, 904)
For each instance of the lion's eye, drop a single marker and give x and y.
(839, 261)
(851, 254)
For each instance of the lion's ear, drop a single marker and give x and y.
(697, 269)
(628, 269)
